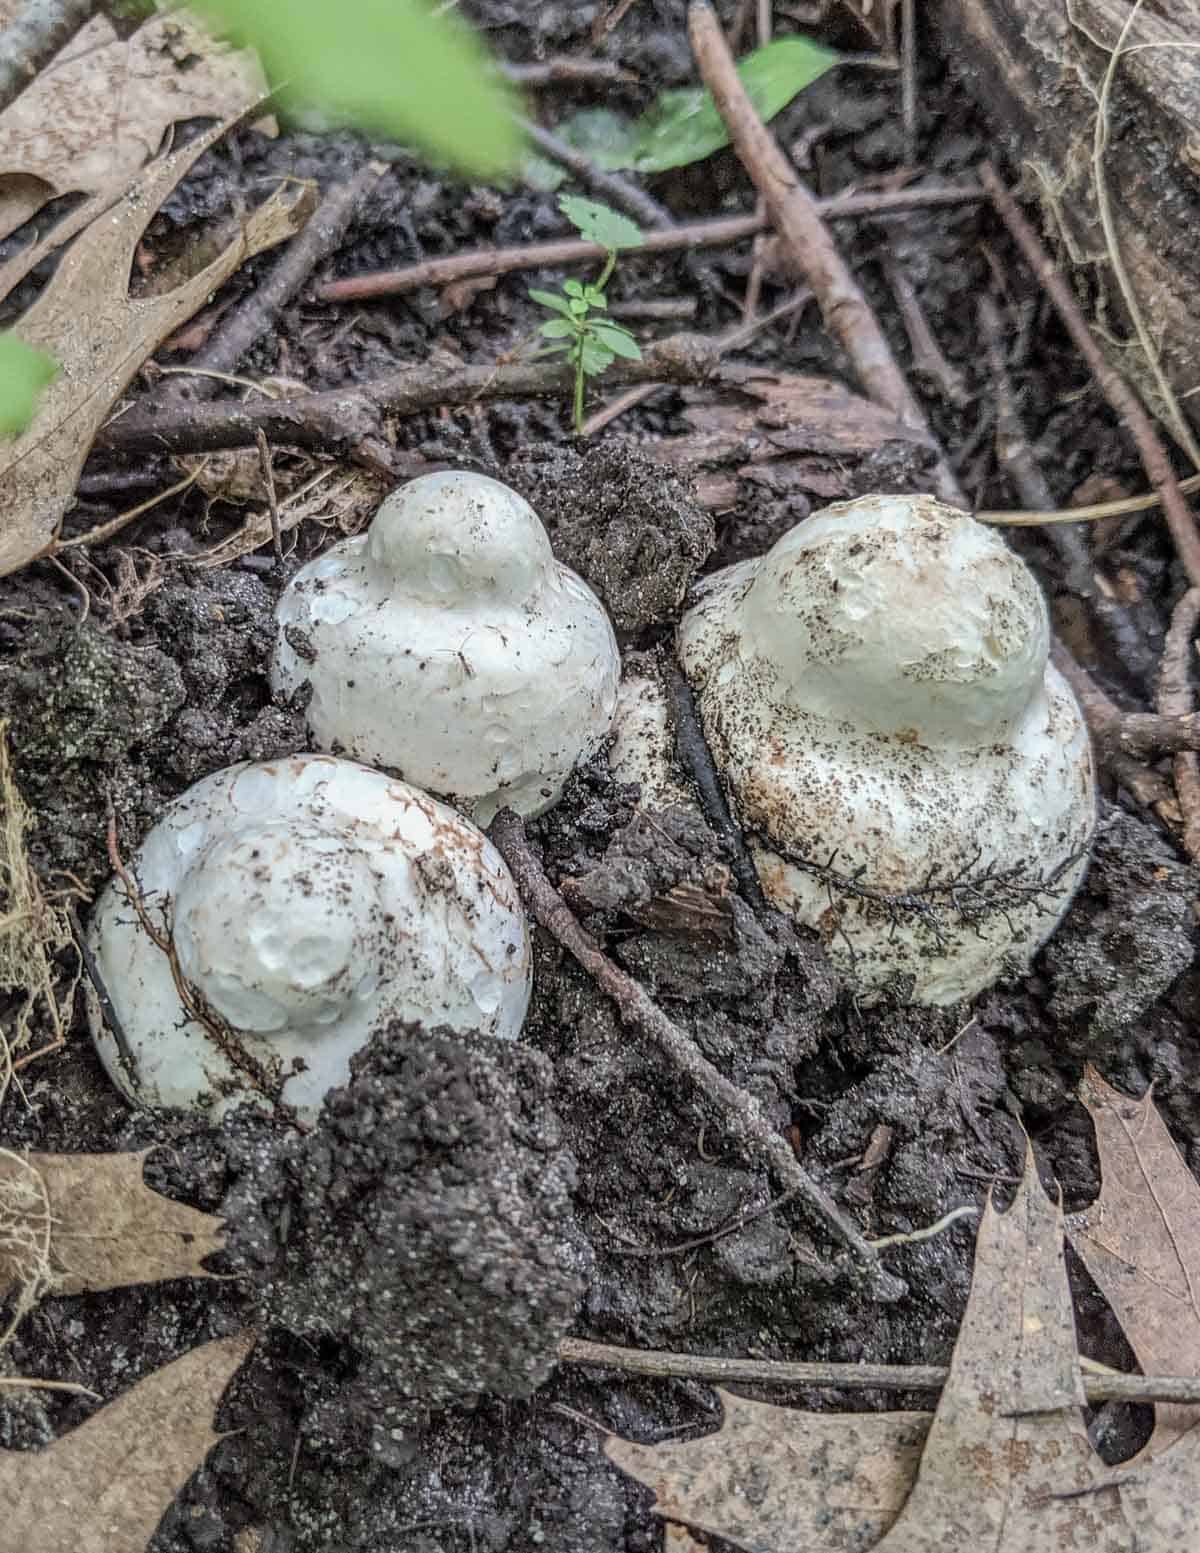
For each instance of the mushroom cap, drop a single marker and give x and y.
(921, 795)
(450, 646)
(310, 903)
(895, 613)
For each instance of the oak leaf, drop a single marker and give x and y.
(104, 1487)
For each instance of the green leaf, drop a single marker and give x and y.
(557, 329)
(573, 288)
(619, 341)
(684, 126)
(550, 299)
(596, 223)
(24, 373)
(595, 357)
(393, 68)
(594, 297)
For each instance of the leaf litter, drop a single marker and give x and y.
(1140, 1239)
(97, 113)
(1005, 1461)
(100, 336)
(104, 1487)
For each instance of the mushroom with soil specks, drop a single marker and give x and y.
(913, 775)
(448, 645)
(305, 903)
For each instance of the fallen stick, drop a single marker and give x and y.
(339, 419)
(573, 250)
(1174, 699)
(796, 216)
(739, 1112)
(849, 1377)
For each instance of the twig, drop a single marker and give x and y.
(103, 531)
(733, 339)
(696, 759)
(686, 235)
(1016, 459)
(848, 1377)
(565, 68)
(618, 191)
(609, 19)
(1121, 398)
(740, 1113)
(341, 418)
(908, 78)
(928, 358)
(1103, 717)
(797, 218)
(268, 474)
(256, 315)
(41, 28)
(1175, 699)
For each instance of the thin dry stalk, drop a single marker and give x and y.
(1116, 391)
(797, 218)
(1175, 699)
(739, 1112)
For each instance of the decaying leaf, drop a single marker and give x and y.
(95, 1224)
(98, 111)
(787, 431)
(86, 320)
(1140, 1239)
(1007, 1463)
(775, 1480)
(104, 1487)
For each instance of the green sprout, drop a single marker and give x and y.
(590, 344)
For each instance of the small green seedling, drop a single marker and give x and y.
(590, 344)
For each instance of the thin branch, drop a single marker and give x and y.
(564, 68)
(1175, 699)
(740, 1114)
(618, 191)
(1120, 396)
(1016, 459)
(257, 313)
(849, 1377)
(1103, 717)
(686, 235)
(40, 30)
(797, 218)
(340, 418)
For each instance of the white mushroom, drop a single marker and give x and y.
(914, 776)
(309, 902)
(450, 646)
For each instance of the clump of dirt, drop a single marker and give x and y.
(628, 526)
(428, 1226)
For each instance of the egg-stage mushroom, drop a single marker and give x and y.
(913, 775)
(307, 902)
(448, 645)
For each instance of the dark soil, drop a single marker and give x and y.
(413, 1262)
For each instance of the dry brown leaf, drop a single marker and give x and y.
(98, 111)
(87, 321)
(104, 1487)
(106, 1228)
(1007, 1463)
(773, 1479)
(1140, 1239)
